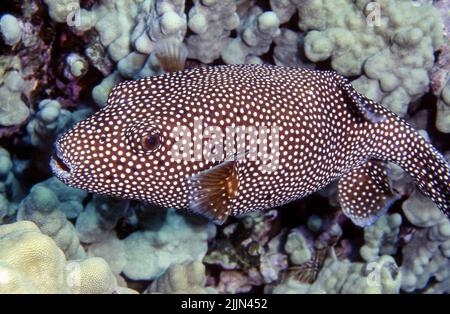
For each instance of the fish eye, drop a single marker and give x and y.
(102, 138)
(151, 142)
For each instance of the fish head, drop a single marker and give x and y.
(124, 150)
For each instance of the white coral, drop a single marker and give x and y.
(380, 276)
(427, 255)
(149, 253)
(381, 237)
(181, 278)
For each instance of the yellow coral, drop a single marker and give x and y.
(31, 262)
(181, 278)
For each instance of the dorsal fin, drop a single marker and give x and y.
(361, 104)
(211, 191)
(171, 55)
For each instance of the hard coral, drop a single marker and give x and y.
(146, 254)
(181, 278)
(31, 262)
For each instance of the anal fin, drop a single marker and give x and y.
(365, 193)
(211, 191)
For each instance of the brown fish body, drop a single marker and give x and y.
(233, 139)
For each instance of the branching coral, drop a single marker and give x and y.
(308, 248)
(159, 21)
(127, 32)
(101, 91)
(76, 66)
(288, 49)
(147, 254)
(212, 22)
(285, 9)
(10, 189)
(181, 278)
(11, 29)
(25, 67)
(297, 247)
(49, 121)
(381, 237)
(248, 256)
(420, 211)
(380, 276)
(51, 201)
(99, 216)
(256, 33)
(387, 47)
(390, 42)
(443, 116)
(113, 20)
(427, 255)
(412, 57)
(272, 260)
(42, 206)
(13, 110)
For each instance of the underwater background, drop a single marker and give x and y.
(59, 61)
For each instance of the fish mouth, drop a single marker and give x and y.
(59, 167)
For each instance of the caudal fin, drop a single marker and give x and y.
(398, 142)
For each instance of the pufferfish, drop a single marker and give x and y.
(303, 129)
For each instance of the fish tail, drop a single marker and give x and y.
(396, 141)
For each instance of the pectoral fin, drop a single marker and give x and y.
(365, 193)
(211, 191)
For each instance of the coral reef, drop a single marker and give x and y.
(212, 22)
(426, 256)
(441, 88)
(381, 237)
(363, 38)
(10, 29)
(59, 59)
(99, 216)
(146, 254)
(247, 255)
(255, 37)
(181, 278)
(380, 276)
(31, 262)
(13, 110)
(42, 206)
(50, 120)
(101, 91)
(11, 191)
